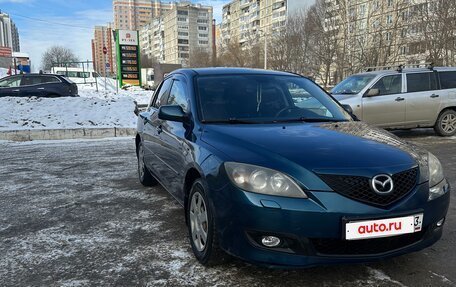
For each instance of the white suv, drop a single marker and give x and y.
(405, 98)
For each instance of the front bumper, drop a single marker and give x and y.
(312, 229)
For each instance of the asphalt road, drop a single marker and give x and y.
(72, 213)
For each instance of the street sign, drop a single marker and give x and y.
(105, 50)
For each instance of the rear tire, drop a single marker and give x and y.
(446, 124)
(145, 177)
(201, 227)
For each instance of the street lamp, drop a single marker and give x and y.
(265, 49)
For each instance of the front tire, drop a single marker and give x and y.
(145, 177)
(446, 124)
(202, 228)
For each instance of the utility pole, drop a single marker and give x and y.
(105, 51)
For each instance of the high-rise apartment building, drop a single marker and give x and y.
(151, 40)
(9, 34)
(245, 21)
(185, 29)
(103, 37)
(134, 14)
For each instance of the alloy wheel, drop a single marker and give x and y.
(448, 123)
(141, 166)
(198, 221)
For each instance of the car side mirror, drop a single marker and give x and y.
(348, 109)
(173, 113)
(373, 93)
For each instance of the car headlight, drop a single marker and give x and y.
(437, 182)
(262, 180)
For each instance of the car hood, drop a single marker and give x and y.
(345, 147)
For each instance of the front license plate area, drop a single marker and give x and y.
(358, 230)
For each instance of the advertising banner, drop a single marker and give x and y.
(128, 57)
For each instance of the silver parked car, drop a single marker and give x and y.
(403, 99)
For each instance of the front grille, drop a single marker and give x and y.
(358, 187)
(365, 246)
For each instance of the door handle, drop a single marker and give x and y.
(159, 129)
(434, 96)
(40, 88)
(399, 99)
(16, 90)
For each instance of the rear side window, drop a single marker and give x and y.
(162, 93)
(178, 95)
(30, 80)
(421, 82)
(389, 85)
(49, 79)
(448, 80)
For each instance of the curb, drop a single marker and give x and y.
(65, 134)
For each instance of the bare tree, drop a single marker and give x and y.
(58, 55)
(147, 61)
(290, 50)
(435, 25)
(200, 58)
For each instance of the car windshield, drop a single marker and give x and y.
(352, 85)
(249, 99)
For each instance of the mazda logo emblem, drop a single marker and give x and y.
(382, 184)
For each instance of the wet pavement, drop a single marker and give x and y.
(72, 213)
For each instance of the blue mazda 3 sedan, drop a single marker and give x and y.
(271, 169)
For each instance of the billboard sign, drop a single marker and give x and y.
(5, 52)
(128, 63)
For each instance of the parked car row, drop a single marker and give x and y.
(404, 99)
(37, 85)
(269, 168)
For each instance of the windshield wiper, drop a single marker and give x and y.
(229, 121)
(310, 120)
(343, 93)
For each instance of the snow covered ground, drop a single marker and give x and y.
(66, 113)
(93, 109)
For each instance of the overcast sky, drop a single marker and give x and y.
(43, 23)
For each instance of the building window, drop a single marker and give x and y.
(181, 19)
(202, 28)
(390, 3)
(182, 34)
(202, 42)
(389, 19)
(203, 35)
(180, 12)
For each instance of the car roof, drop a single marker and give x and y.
(230, 71)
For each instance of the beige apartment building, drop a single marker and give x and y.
(184, 29)
(151, 39)
(134, 14)
(245, 21)
(372, 33)
(103, 37)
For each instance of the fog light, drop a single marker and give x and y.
(440, 222)
(270, 241)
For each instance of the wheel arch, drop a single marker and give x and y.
(190, 177)
(137, 141)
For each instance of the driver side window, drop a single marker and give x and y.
(389, 85)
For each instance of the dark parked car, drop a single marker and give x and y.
(37, 85)
(271, 169)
